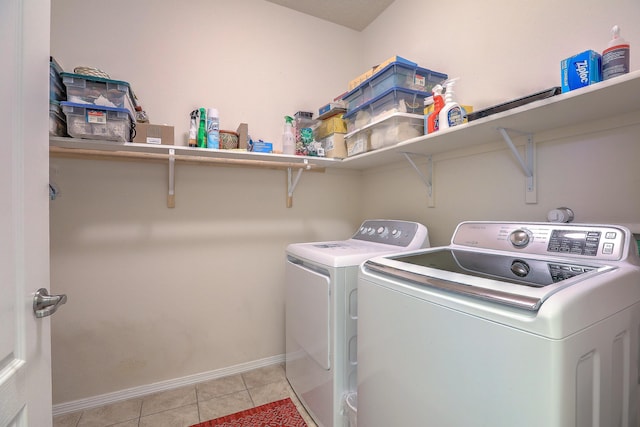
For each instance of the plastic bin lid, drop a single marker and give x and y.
(93, 78)
(97, 107)
(382, 95)
(132, 95)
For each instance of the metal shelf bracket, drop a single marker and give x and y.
(293, 182)
(171, 197)
(426, 178)
(527, 164)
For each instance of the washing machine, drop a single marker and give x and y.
(321, 312)
(512, 324)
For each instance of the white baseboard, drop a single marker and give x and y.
(105, 399)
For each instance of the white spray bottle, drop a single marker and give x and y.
(452, 113)
(288, 140)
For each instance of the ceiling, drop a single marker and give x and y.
(354, 14)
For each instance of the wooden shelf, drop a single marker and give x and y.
(605, 99)
(610, 98)
(106, 150)
(602, 100)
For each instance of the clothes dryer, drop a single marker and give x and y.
(321, 312)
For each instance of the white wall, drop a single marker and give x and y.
(591, 169)
(499, 49)
(502, 50)
(157, 294)
(252, 60)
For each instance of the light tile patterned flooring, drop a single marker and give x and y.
(185, 406)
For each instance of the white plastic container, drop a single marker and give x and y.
(382, 133)
(615, 58)
(213, 128)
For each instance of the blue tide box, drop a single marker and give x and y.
(580, 70)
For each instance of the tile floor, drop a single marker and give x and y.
(185, 406)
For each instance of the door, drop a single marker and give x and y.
(308, 362)
(308, 312)
(25, 354)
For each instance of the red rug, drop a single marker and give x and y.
(282, 413)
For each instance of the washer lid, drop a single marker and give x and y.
(340, 253)
(374, 237)
(521, 282)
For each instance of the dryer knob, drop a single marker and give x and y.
(520, 238)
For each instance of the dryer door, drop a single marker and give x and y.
(307, 313)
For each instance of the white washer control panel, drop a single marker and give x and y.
(586, 241)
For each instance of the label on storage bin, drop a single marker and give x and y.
(97, 116)
(419, 81)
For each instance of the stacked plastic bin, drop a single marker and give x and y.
(388, 107)
(57, 93)
(98, 108)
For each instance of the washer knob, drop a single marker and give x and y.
(520, 268)
(520, 238)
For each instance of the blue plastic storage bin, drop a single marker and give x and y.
(98, 122)
(398, 75)
(57, 122)
(394, 75)
(56, 87)
(83, 89)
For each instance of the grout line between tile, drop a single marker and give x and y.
(197, 404)
(246, 388)
(140, 413)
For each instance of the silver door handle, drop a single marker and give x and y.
(45, 305)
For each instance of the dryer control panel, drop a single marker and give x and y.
(585, 241)
(406, 234)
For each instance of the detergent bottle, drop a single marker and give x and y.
(452, 113)
(288, 139)
(438, 103)
(615, 58)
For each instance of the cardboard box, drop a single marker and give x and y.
(334, 146)
(154, 134)
(580, 70)
(361, 78)
(369, 73)
(243, 135)
(335, 124)
(393, 59)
